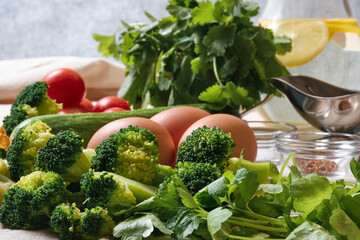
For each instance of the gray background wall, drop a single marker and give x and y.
(39, 28)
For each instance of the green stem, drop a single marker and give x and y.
(216, 73)
(241, 219)
(291, 156)
(255, 226)
(247, 238)
(354, 190)
(262, 217)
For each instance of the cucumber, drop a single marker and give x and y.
(86, 124)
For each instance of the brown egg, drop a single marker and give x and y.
(166, 144)
(176, 120)
(241, 133)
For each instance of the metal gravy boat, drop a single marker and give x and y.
(325, 106)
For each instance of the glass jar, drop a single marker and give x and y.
(326, 45)
(327, 154)
(265, 132)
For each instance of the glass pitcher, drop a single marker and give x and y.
(326, 45)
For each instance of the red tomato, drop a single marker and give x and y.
(66, 86)
(109, 102)
(87, 103)
(115, 109)
(74, 109)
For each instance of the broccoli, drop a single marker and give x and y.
(28, 203)
(69, 223)
(31, 101)
(196, 176)
(64, 154)
(25, 146)
(207, 145)
(112, 191)
(96, 223)
(133, 153)
(65, 221)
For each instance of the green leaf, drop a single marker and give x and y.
(309, 192)
(309, 231)
(215, 218)
(251, 8)
(135, 228)
(179, 12)
(214, 96)
(203, 13)
(282, 44)
(351, 206)
(271, 188)
(219, 38)
(186, 198)
(184, 223)
(219, 187)
(344, 225)
(244, 186)
(107, 45)
(355, 168)
(150, 17)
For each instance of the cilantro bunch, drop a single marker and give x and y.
(202, 52)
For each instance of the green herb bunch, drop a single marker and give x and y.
(202, 52)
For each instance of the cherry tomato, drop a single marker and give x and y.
(87, 103)
(74, 109)
(66, 86)
(115, 109)
(109, 102)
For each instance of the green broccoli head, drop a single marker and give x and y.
(31, 101)
(113, 191)
(65, 221)
(28, 203)
(196, 176)
(132, 152)
(64, 154)
(25, 146)
(69, 223)
(207, 145)
(96, 223)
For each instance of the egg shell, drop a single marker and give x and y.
(166, 144)
(176, 120)
(241, 133)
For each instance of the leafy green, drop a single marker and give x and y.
(171, 60)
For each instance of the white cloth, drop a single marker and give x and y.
(101, 77)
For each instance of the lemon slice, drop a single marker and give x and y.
(309, 37)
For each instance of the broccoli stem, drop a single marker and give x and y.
(82, 166)
(140, 190)
(162, 172)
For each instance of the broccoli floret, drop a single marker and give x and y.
(29, 202)
(31, 101)
(64, 154)
(65, 221)
(207, 145)
(69, 223)
(196, 176)
(113, 191)
(25, 146)
(96, 223)
(133, 153)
